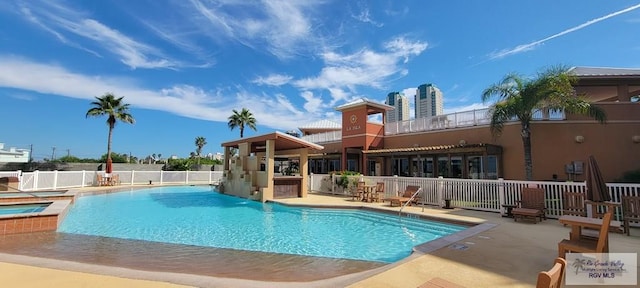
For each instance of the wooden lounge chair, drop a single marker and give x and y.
(554, 277)
(582, 245)
(573, 204)
(630, 211)
(403, 198)
(531, 205)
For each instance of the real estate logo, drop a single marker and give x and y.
(602, 269)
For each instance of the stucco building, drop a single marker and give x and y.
(461, 145)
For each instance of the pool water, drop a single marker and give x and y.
(22, 208)
(202, 217)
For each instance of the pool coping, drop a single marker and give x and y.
(420, 250)
(55, 207)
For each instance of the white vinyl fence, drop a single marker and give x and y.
(474, 194)
(42, 180)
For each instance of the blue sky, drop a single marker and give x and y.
(183, 65)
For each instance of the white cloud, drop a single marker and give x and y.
(273, 80)
(58, 19)
(365, 17)
(313, 104)
(530, 46)
(343, 73)
(283, 27)
(185, 100)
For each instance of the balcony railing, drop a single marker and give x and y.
(439, 122)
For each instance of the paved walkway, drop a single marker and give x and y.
(507, 255)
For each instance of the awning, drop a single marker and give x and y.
(438, 149)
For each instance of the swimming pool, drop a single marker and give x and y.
(22, 208)
(202, 217)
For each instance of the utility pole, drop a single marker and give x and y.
(68, 152)
(31, 153)
(53, 153)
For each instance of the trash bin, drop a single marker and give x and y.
(9, 184)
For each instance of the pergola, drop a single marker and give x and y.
(244, 171)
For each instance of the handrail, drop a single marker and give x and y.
(409, 202)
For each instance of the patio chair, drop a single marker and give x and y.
(531, 205)
(101, 180)
(358, 193)
(379, 193)
(403, 198)
(582, 245)
(573, 204)
(630, 211)
(115, 180)
(554, 277)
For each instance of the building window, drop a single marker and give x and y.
(334, 165)
(475, 167)
(400, 167)
(352, 165)
(456, 167)
(492, 167)
(443, 166)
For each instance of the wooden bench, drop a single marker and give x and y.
(523, 213)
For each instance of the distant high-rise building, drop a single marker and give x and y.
(401, 103)
(428, 101)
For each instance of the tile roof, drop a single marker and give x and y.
(364, 101)
(423, 148)
(604, 71)
(322, 124)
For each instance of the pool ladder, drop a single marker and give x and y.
(410, 200)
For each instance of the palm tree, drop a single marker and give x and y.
(242, 119)
(116, 110)
(200, 142)
(519, 98)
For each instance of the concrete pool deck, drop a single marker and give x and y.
(509, 254)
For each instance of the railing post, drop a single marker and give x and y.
(210, 172)
(161, 173)
(35, 179)
(84, 178)
(440, 189)
(55, 179)
(133, 172)
(395, 185)
(501, 195)
(20, 179)
(186, 177)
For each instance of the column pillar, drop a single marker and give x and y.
(304, 167)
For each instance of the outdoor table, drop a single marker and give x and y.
(578, 222)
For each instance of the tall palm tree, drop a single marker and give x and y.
(115, 109)
(200, 142)
(519, 98)
(242, 119)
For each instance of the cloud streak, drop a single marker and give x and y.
(274, 111)
(63, 22)
(530, 46)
